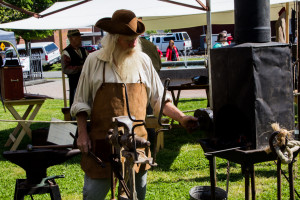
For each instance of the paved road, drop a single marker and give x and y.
(52, 86)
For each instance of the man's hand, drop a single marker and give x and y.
(83, 141)
(190, 123)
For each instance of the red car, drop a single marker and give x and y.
(91, 48)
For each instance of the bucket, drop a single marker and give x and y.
(204, 193)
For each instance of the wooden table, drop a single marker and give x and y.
(32, 104)
(188, 86)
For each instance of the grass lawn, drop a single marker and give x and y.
(54, 67)
(181, 165)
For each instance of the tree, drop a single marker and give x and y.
(36, 6)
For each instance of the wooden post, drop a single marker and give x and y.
(287, 22)
(298, 76)
(62, 73)
(209, 46)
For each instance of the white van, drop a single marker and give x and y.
(181, 40)
(48, 50)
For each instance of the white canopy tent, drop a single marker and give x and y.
(8, 36)
(156, 14)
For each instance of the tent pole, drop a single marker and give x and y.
(62, 73)
(297, 66)
(287, 22)
(209, 44)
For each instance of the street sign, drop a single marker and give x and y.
(2, 46)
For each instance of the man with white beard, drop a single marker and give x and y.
(100, 97)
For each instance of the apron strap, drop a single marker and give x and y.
(104, 72)
(140, 80)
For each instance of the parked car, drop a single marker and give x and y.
(48, 51)
(181, 40)
(11, 59)
(91, 48)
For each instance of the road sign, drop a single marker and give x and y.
(2, 46)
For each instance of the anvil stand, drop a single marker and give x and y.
(49, 186)
(247, 159)
(35, 161)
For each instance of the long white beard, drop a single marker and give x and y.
(127, 62)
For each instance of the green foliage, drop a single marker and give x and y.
(151, 32)
(37, 6)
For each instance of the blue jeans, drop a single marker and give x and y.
(97, 189)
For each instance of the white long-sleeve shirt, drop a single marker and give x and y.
(92, 77)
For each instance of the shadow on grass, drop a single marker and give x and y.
(4, 135)
(236, 177)
(173, 141)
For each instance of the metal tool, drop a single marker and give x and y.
(125, 154)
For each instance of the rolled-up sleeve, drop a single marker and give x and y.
(82, 100)
(155, 89)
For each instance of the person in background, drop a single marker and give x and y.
(159, 51)
(172, 52)
(73, 57)
(221, 40)
(280, 26)
(100, 96)
(229, 37)
(1, 60)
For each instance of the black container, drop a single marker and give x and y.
(252, 88)
(252, 21)
(204, 193)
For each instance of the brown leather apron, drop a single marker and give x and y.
(110, 102)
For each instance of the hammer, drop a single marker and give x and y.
(30, 147)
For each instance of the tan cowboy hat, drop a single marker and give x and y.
(74, 32)
(123, 22)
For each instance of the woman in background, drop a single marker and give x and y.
(221, 41)
(172, 52)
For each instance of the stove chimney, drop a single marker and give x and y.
(252, 21)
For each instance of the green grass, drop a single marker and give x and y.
(181, 165)
(54, 67)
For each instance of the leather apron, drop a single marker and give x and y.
(110, 102)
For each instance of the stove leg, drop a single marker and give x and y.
(54, 192)
(246, 182)
(253, 192)
(213, 178)
(278, 179)
(291, 181)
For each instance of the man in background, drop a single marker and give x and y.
(73, 57)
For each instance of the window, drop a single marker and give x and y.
(168, 38)
(158, 40)
(50, 48)
(186, 36)
(37, 51)
(180, 35)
